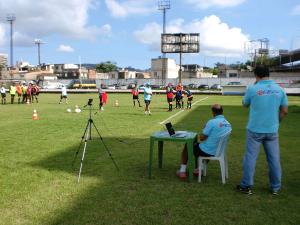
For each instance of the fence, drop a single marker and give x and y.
(197, 82)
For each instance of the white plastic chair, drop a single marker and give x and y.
(220, 156)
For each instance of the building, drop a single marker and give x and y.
(227, 72)
(171, 69)
(126, 74)
(25, 67)
(3, 60)
(70, 71)
(191, 71)
(92, 74)
(3, 66)
(106, 76)
(143, 75)
(48, 67)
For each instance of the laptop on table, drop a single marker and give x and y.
(172, 133)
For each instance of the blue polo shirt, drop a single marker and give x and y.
(147, 93)
(214, 129)
(264, 99)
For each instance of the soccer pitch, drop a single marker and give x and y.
(39, 185)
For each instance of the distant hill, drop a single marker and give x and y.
(89, 65)
(129, 68)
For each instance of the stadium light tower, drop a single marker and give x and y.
(11, 19)
(38, 42)
(257, 47)
(164, 5)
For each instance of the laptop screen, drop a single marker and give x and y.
(170, 128)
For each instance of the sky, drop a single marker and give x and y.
(127, 32)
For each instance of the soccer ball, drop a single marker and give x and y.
(69, 110)
(77, 109)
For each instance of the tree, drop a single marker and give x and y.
(106, 67)
(1, 68)
(214, 71)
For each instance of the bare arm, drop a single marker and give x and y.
(203, 137)
(283, 112)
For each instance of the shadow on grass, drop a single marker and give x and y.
(129, 197)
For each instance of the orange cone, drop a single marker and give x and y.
(34, 115)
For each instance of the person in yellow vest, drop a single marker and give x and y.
(12, 92)
(19, 92)
(24, 93)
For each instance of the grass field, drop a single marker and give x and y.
(39, 186)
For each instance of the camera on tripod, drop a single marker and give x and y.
(90, 102)
(87, 135)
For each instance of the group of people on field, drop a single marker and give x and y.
(24, 93)
(176, 95)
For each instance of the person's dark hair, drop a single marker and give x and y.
(261, 71)
(217, 109)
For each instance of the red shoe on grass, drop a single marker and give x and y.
(181, 175)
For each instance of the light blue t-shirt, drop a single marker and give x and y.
(264, 99)
(214, 129)
(147, 93)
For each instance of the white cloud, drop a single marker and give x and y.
(122, 9)
(216, 37)
(45, 18)
(65, 48)
(150, 35)
(105, 29)
(23, 39)
(203, 4)
(296, 10)
(2, 35)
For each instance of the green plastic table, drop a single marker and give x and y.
(162, 136)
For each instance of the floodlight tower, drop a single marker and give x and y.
(258, 47)
(164, 5)
(11, 19)
(38, 42)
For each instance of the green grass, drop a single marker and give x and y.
(39, 186)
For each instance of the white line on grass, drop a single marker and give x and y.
(176, 114)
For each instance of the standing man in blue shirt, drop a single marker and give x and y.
(268, 106)
(147, 98)
(209, 138)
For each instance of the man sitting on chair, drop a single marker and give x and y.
(209, 139)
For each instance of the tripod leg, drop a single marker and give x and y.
(107, 150)
(82, 138)
(84, 149)
(81, 163)
(90, 129)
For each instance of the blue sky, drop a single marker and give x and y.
(128, 31)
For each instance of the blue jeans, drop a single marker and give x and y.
(271, 147)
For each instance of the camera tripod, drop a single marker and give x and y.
(87, 135)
